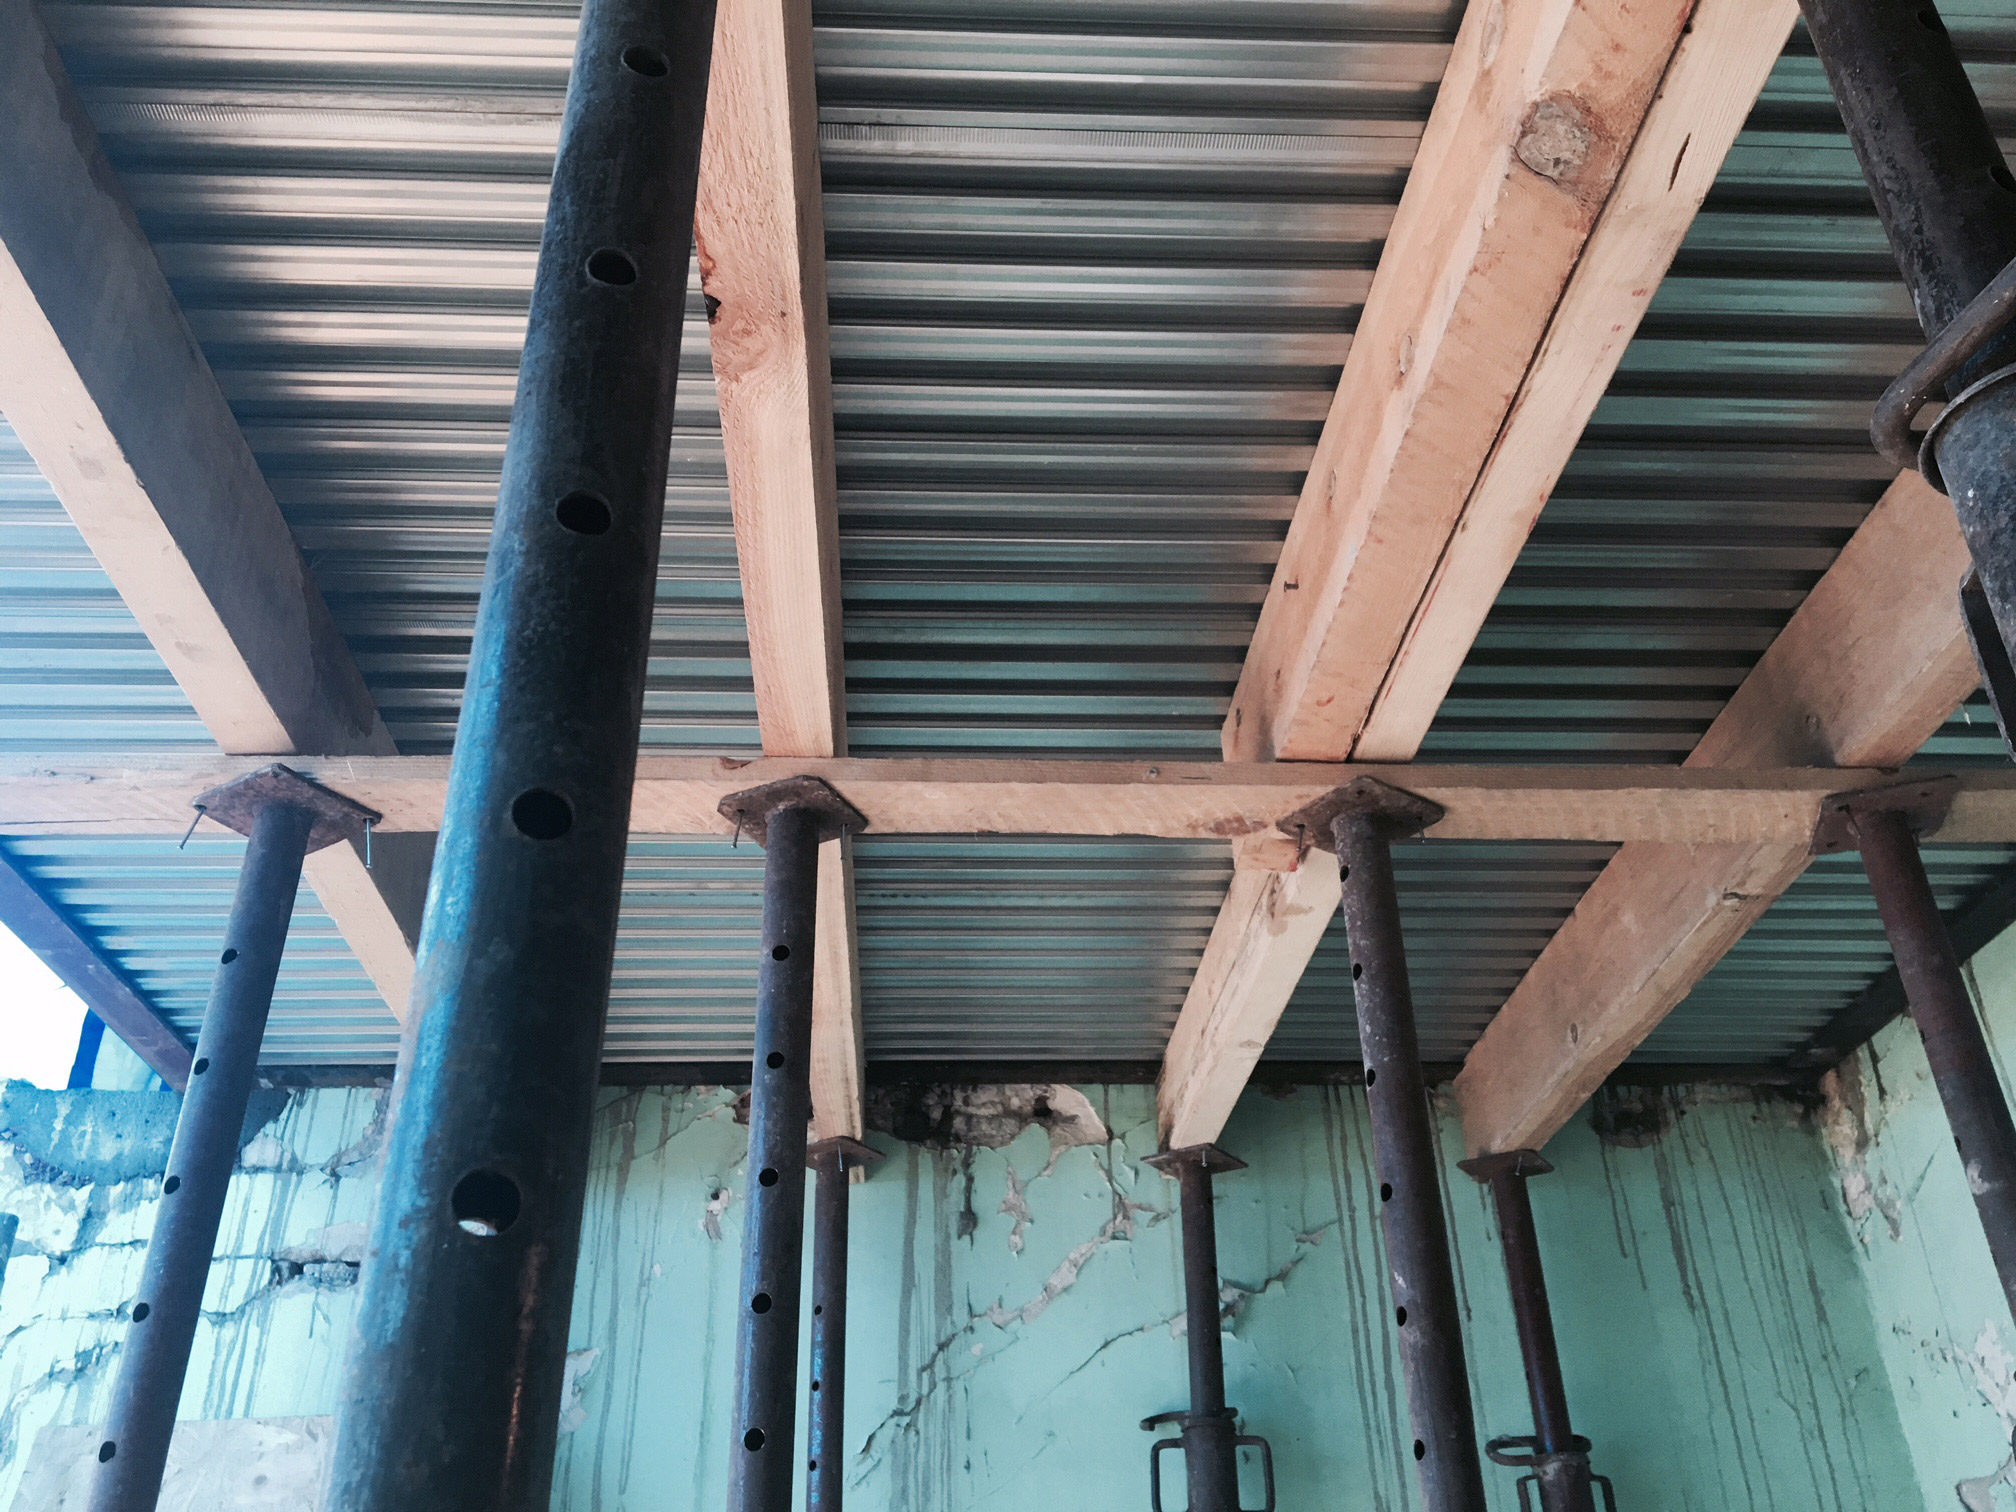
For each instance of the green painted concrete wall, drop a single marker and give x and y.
(1943, 1325)
(1014, 1310)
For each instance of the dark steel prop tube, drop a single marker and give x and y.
(451, 1398)
(789, 819)
(1948, 203)
(1210, 1437)
(1359, 821)
(1556, 1455)
(833, 1159)
(1883, 825)
(286, 816)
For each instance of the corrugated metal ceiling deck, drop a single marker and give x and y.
(1093, 272)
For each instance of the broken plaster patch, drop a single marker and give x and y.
(942, 1116)
(1844, 1124)
(710, 1216)
(1015, 1203)
(580, 1362)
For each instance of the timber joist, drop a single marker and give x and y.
(1241, 802)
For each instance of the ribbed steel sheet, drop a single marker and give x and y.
(158, 912)
(1728, 461)
(77, 673)
(1093, 272)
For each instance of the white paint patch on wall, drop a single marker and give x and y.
(236, 1465)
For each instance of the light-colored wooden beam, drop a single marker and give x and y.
(1716, 74)
(111, 396)
(1270, 925)
(679, 795)
(761, 240)
(1568, 151)
(1870, 666)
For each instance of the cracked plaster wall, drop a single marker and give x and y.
(1015, 1303)
(1942, 1322)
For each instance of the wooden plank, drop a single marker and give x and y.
(679, 795)
(1537, 114)
(837, 1053)
(1871, 664)
(761, 240)
(69, 952)
(1716, 74)
(762, 252)
(111, 396)
(1269, 927)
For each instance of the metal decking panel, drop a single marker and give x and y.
(1093, 272)
(158, 913)
(77, 673)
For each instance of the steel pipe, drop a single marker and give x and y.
(1948, 203)
(1556, 1456)
(1359, 821)
(452, 1393)
(1210, 1436)
(1955, 1047)
(789, 819)
(1406, 1158)
(834, 1160)
(285, 817)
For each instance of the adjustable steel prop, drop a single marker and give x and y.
(452, 1394)
(1359, 821)
(834, 1160)
(286, 816)
(1555, 1456)
(788, 819)
(1211, 1439)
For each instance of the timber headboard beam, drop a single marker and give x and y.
(680, 795)
(761, 239)
(1568, 151)
(112, 398)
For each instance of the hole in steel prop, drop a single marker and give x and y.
(1359, 821)
(452, 1394)
(826, 1474)
(789, 819)
(1884, 823)
(1556, 1456)
(1948, 204)
(286, 816)
(1210, 1437)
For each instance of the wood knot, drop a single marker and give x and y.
(1557, 139)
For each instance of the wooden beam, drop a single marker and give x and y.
(761, 240)
(679, 795)
(1868, 668)
(1269, 927)
(111, 396)
(1715, 76)
(1568, 150)
(762, 250)
(1567, 154)
(69, 952)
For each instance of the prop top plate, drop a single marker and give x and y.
(750, 810)
(1208, 1156)
(237, 804)
(1403, 813)
(1924, 803)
